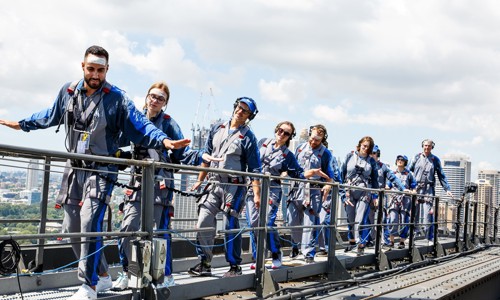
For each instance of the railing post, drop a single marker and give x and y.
(380, 226)
(458, 242)
(332, 241)
(261, 237)
(485, 222)
(411, 242)
(474, 224)
(147, 199)
(335, 270)
(147, 207)
(466, 225)
(436, 224)
(495, 225)
(43, 215)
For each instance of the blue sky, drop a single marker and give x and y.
(399, 71)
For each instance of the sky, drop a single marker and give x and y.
(398, 71)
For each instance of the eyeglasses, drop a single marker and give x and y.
(281, 131)
(244, 110)
(156, 98)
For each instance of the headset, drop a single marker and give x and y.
(254, 113)
(321, 127)
(289, 124)
(429, 140)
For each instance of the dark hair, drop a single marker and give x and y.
(159, 85)
(97, 51)
(368, 139)
(287, 143)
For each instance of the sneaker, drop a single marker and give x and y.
(201, 269)
(431, 243)
(294, 253)
(361, 250)
(167, 282)
(322, 252)
(252, 266)
(370, 244)
(401, 245)
(309, 260)
(276, 263)
(121, 283)
(85, 292)
(234, 271)
(104, 284)
(350, 247)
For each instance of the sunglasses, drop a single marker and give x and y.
(283, 132)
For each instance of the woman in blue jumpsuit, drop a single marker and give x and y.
(156, 100)
(359, 169)
(276, 158)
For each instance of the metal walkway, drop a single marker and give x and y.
(445, 278)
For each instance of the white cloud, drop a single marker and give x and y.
(285, 91)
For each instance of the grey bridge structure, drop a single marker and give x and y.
(463, 262)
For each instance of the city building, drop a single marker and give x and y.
(457, 169)
(33, 174)
(493, 176)
(483, 196)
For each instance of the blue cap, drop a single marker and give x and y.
(250, 103)
(375, 148)
(403, 157)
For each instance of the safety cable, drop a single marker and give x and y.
(9, 261)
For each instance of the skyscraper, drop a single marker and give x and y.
(484, 195)
(32, 175)
(457, 169)
(493, 177)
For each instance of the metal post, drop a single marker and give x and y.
(474, 224)
(458, 226)
(261, 237)
(380, 216)
(466, 225)
(147, 207)
(495, 225)
(436, 223)
(335, 270)
(446, 206)
(43, 214)
(411, 241)
(485, 222)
